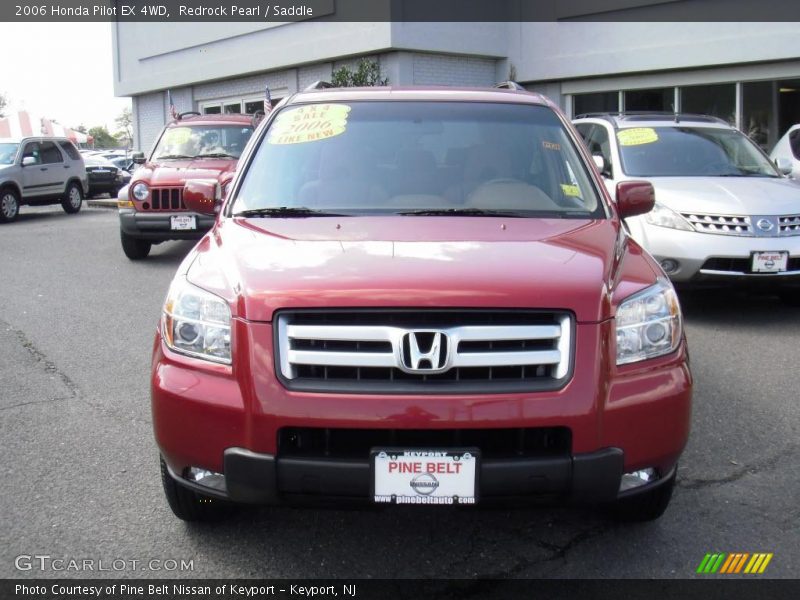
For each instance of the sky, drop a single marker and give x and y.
(61, 71)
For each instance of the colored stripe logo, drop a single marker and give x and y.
(734, 563)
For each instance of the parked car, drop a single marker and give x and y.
(723, 213)
(152, 209)
(104, 177)
(419, 296)
(126, 164)
(39, 171)
(786, 153)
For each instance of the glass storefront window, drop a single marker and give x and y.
(656, 99)
(715, 100)
(758, 116)
(590, 103)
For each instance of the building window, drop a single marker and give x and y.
(657, 99)
(758, 115)
(599, 102)
(233, 106)
(715, 100)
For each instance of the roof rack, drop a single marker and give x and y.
(653, 115)
(319, 85)
(188, 112)
(510, 85)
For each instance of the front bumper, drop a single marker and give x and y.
(693, 251)
(228, 419)
(156, 226)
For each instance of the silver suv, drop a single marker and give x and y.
(39, 171)
(723, 214)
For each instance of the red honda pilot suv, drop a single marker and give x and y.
(419, 296)
(192, 146)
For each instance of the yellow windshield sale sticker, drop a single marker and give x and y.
(309, 123)
(637, 136)
(177, 135)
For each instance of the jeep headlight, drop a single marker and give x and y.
(666, 217)
(197, 323)
(140, 191)
(648, 324)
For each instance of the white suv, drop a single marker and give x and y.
(39, 171)
(723, 212)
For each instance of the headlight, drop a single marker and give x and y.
(140, 191)
(197, 323)
(665, 217)
(118, 176)
(648, 324)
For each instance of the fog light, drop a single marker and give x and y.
(669, 265)
(206, 478)
(637, 478)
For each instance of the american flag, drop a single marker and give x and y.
(173, 112)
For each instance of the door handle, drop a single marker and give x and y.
(43, 169)
(66, 166)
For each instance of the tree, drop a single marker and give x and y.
(102, 138)
(125, 124)
(367, 74)
(3, 104)
(81, 128)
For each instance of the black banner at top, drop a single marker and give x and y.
(274, 11)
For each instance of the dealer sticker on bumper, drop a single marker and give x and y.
(770, 262)
(183, 222)
(425, 476)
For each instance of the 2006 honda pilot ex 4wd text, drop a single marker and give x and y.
(419, 296)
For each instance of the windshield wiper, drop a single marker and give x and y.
(216, 155)
(285, 211)
(483, 212)
(168, 156)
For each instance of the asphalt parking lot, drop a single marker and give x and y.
(81, 474)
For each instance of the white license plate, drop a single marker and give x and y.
(770, 262)
(443, 477)
(183, 222)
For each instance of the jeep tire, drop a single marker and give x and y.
(134, 248)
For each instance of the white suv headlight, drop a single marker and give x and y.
(666, 217)
(197, 323)
(648, 324)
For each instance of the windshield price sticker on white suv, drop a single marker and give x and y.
(425, 476)
(770, 262)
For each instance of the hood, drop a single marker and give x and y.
(729, 195)
(262, 265)
(176, 172)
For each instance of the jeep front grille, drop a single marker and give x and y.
(430, 351)
(165, 199)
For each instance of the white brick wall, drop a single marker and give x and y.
(149, 117)
(311, 73)
(244, 86)
(434, 69)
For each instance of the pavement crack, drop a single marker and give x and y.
(40, 357)
(48, 401)
(764, 465)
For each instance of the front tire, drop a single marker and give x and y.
(9, 205)
(134, 248)
(646, 506)
(188, 505)
(73, 199)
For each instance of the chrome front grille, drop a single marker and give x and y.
(166, 198)
(749, 226)
(723, 224)
(427, 351)
(789, 225)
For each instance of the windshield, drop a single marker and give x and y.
(690, 152)
(417, 158)
(216, 141)
(8, 152)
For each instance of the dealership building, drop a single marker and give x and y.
(745, 73)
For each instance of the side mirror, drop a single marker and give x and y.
(200, 196)
(138, 158)
(28, 161)
(784, 165)
(635, 198)
(599, 162)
